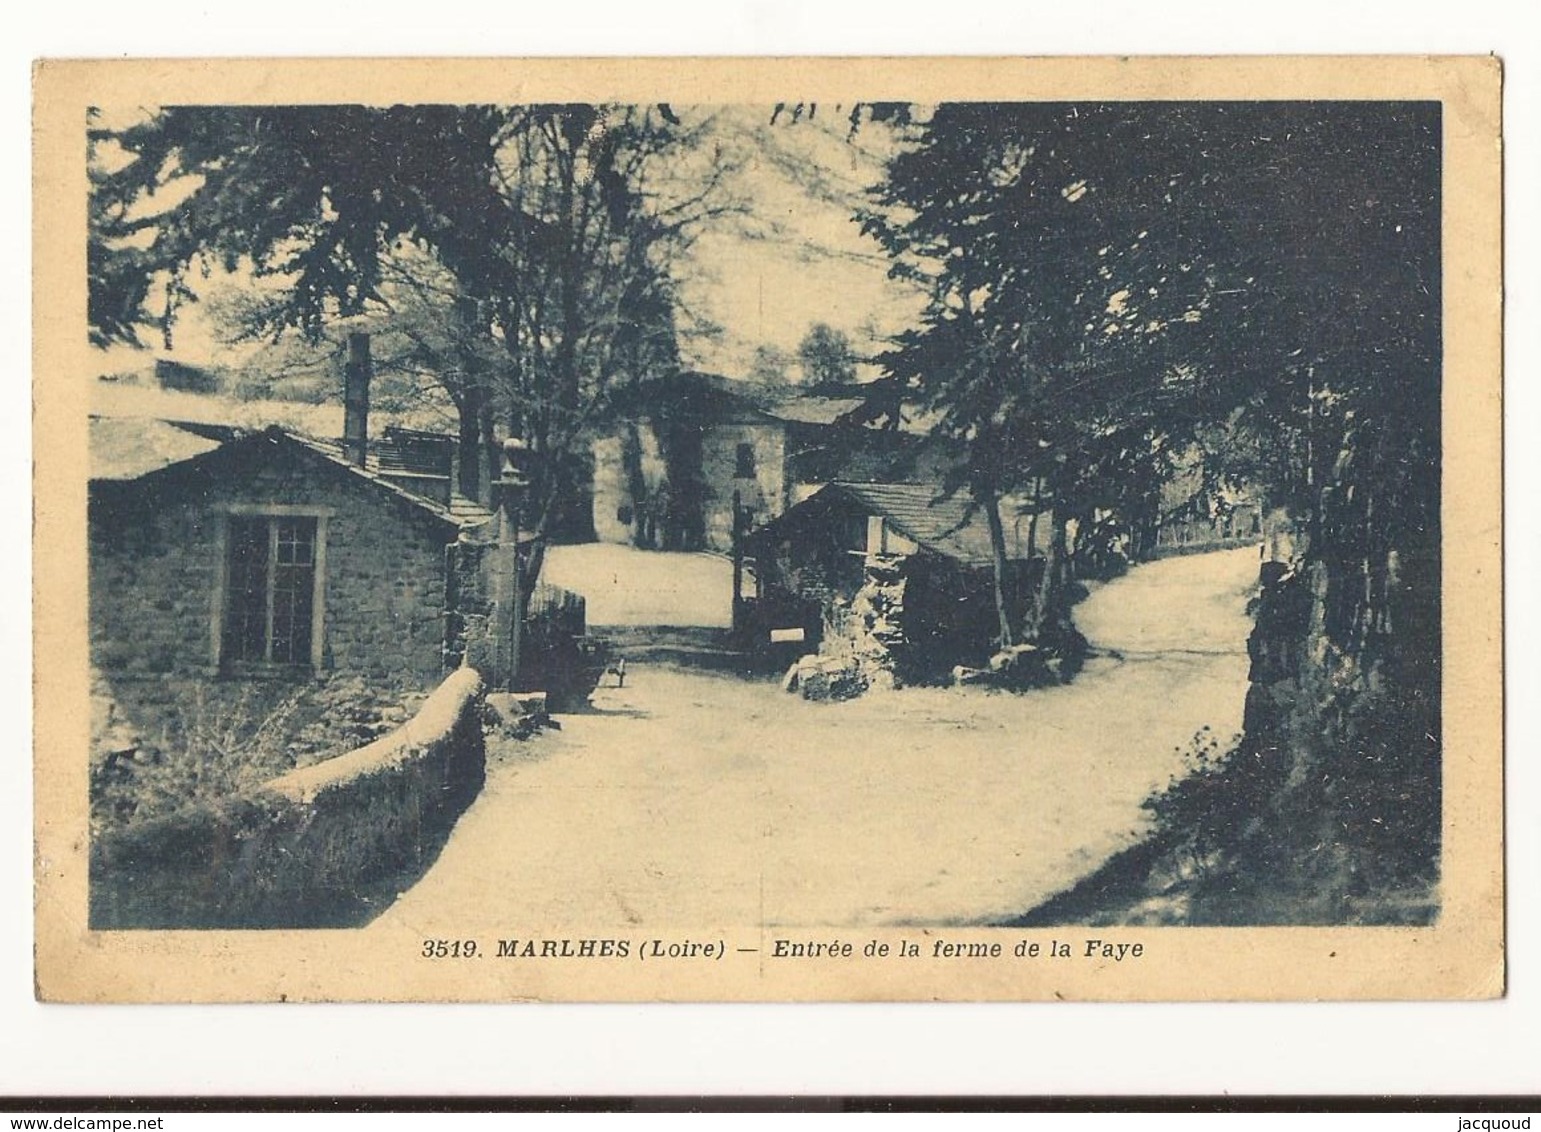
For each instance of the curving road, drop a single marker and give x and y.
(689, 798)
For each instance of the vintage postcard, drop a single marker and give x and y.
(768, 530)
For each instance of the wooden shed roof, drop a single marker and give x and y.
(941, 524)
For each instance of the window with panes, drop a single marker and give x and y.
(270, 590)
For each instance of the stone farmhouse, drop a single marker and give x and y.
(691, 444)
(214, 552)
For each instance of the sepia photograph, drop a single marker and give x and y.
(721, 546)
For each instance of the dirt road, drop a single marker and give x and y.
(696, 799)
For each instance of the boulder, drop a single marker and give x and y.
(793, 678)
(1022, 666)
(1014, 669)
(963, 675)
(517, 714)
(825, 678)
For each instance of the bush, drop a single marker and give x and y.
(1204, 811)
(212, 741)
(215, 738)
(1334, 820)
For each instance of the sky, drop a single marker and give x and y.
(803, 182)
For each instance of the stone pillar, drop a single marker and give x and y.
(506, 578)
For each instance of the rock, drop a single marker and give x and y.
(1015, 669)
(517, 714)
(882, 680)
(1022, 666)
(1013, 657)
(793, 678)
(492, 718)
(962, 675)
(531, 703)
(511, 705)
(829, 678)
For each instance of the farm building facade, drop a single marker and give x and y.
(691, 445)
(928, 552)
(263, 553)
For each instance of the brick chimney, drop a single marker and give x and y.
(357, 372)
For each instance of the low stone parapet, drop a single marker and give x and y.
(329, 845)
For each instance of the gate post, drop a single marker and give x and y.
(509, 493)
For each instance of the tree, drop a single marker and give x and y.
(312, 200)
(1057, 310)
(315, 195)
(1341, 426)
(519, 255)
(585, 305)
(826, 356)
(769, 365)
(1116, 284)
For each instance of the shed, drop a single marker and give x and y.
(818, 547)
(811, 562)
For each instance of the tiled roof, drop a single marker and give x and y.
(815, 410)
(460, 511)
(130, 448)
(694, 398)
(414, 452)
(948, 525)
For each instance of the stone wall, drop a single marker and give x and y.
(330, 845)
(914, 619)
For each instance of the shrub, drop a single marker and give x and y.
(1204, 810)
(212, 739)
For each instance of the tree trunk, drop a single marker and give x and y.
(636, 483)
(1048, 613)
(989, 500)
(1032, 521)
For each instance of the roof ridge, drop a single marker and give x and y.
(325, 448)
(460, 513)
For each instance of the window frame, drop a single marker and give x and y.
(272, 512)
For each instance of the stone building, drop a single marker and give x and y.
(689, 443)
(258, 554)
(818, 549)
(666, 477)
